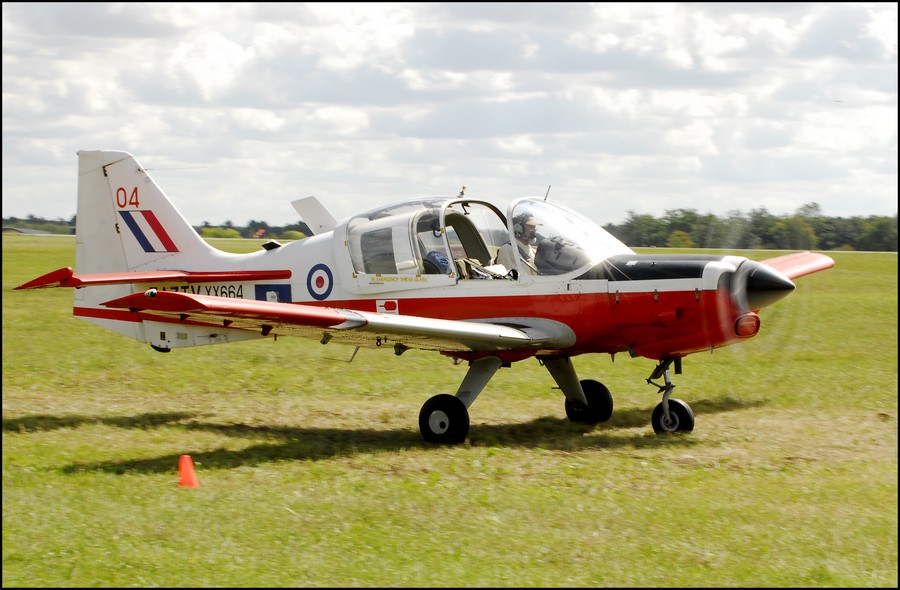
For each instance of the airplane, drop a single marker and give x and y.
(420, 274)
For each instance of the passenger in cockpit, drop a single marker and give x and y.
(525, 230)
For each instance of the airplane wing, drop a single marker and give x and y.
(347, 326)
(65, 277)
(799, 264)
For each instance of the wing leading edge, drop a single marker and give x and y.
(344, 325)
(799, 264)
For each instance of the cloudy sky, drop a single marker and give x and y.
(238, 109)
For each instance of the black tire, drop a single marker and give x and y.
(599, 407)
(444, 419)
(681, 414)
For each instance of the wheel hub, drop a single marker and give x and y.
(438, 422)
(670, 423)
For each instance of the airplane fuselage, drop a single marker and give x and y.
(653, 305)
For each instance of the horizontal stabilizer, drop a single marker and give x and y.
(799, 264)
(65, 277)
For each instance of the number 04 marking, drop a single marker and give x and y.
(123, 200)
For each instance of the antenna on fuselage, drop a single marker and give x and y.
(548, 192)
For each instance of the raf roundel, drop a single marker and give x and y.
(319, 282)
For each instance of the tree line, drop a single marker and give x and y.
(807, 229)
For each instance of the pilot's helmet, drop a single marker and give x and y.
(520, 221)
(439, 260)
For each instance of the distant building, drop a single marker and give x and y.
(34, 232)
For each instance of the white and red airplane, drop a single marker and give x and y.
(418, 274)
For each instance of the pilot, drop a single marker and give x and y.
(525, 230)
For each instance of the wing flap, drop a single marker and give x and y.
(799, 264)
(65, 277)
(343, 325)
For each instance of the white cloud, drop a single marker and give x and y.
(419, 80)
(211, 61)
(883, 28)
(619, 106)
(349, 36)
(257, 119)
(340, 120)
(521, 145)
(696, 138)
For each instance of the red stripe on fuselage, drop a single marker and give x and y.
(655, 325)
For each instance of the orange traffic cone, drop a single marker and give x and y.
(187, 478)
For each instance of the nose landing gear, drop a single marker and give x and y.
(671, 414)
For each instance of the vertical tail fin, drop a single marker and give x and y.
(125, 222)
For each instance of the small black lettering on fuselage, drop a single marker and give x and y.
(233, 291)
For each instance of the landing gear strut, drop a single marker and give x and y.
(587, 401)
(670, 415)
(444, 418)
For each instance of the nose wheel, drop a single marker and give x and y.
(671, 414)
(680, 417)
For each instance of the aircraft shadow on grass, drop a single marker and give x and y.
(44, 423)
(292, 444)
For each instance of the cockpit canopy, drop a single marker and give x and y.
(461, 238)
(565, 241)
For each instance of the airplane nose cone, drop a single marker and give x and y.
(759, 285)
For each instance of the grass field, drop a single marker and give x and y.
(313, 471)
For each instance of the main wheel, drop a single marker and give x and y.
(444, 419)
(599, 407)
(681, 417)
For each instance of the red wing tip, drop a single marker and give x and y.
(800, 263)
(57, 278)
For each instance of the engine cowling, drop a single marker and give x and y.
(674, 305)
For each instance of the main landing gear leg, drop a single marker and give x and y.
(671, 414)
(587, 401)
(444, 418)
